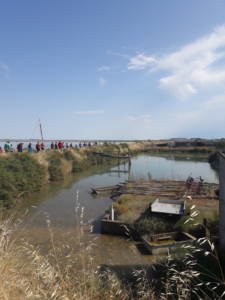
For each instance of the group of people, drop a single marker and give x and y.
(60, 145)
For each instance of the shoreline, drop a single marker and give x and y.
(24, 173)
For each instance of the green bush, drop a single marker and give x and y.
(80, 165)
(68, 155)
(152, 224)
(55, 171)
(55, 166)
(19, 173)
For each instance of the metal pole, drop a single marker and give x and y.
(41, 131)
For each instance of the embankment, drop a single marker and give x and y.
(24, 173)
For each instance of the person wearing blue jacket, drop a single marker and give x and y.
(29, 148)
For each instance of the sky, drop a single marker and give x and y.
(115, 69)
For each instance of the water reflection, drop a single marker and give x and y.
(175, 168)
(58, 203)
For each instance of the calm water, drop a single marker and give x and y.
(62, 203)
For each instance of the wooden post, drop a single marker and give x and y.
(112, 213)
(222, 202)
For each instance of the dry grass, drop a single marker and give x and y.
(25, 273)
(28, 274)
(130, 207)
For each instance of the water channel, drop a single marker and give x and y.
(69, 206)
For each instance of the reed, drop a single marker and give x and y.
(27, 273)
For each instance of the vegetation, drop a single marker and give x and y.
(19, 174)
(55, 166)
(26, 273)
(153, 224)
(22, 173)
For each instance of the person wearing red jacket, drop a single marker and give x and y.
(60, 145)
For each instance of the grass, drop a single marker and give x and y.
(28, 274)
(55, 166)
(128, 207)
(23, 173)
(153, 224)
(19, 173)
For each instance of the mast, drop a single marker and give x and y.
(42, 139)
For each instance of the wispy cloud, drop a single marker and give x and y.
(102, 82)
(143, 118)
(4, 70)
(104, 68)
(89, 112)
(141, 62)
(192, 68)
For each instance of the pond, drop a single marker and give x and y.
(66, 210)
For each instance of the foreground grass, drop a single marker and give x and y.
(26, 273)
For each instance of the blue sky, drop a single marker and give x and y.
(119, 69)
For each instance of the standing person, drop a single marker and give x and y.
(38, 147)
(67, 145)
(1, 149)
(56, 146)
(7, 146)
(20, 147)
(42, 146)
(52, 146)
(29, 148)
(59, 145)
(71, 145)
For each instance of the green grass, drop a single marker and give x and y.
(55, 166)
(19, 173)
(147, 224)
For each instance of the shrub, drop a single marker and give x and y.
(55, 166)
(153, 224)
(19, 173)
(68, 155)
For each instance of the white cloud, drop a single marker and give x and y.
(89, 112)
(142, 118)
(192, 68)
(102, 82)
(104, 68)
(140, 62)
(4, 70)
